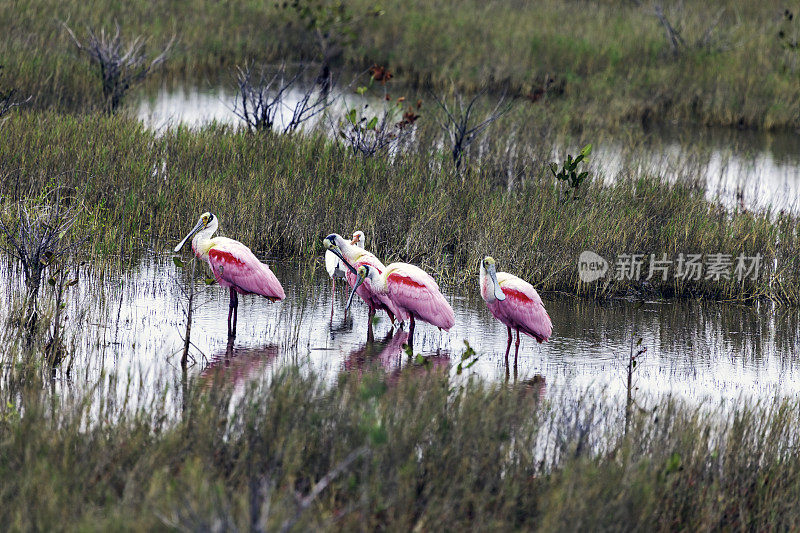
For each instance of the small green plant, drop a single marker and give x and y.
(188, 290)
(569, 170)
(367, 133)
(468, 358)
(418, 359)
(38, 232)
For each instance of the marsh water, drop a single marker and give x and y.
(742, 169)
(131, 321)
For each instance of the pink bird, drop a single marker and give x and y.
(409, 292)
(353, 257)
(233, 265)
(336, 268)
(515, 303)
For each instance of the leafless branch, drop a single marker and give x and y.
(305, 501)
(8, 100)
(262, 99)
(460, 125)
(121, 63)
(706, 39)
(673, 37)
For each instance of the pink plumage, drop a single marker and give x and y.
(515, 303)
(522, 309)
(235, 266)
(413, 292)
(373, 300)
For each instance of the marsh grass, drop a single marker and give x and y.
(438, 455)
(610, 58)
(281, 194)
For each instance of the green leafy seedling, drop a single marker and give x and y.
(569, 169)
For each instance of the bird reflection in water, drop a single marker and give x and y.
(386, 353)
(389, 353)
(535, 387)
(235, 365)
(345, 326)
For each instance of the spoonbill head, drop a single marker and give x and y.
(358, 239)
(348, 250)
(490, 288)
(206, 226)
(233, 265)
(515, 303)
(353, 257)
(336, 268)
(333, 264)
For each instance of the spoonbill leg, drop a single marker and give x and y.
(508, 346)
(333, 294)
(370, 334)
(233, 311)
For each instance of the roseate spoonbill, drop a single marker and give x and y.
(334, 265)
(233, 264)
(409, 292)
(353, 257)
(515, 303)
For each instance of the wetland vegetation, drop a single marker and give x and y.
(737, 65)
(384, 440)
(282, 194)
(416, 451)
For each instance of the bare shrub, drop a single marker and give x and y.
(38, 233)
(368, 133)
(8, 99)
(122, 63)
(673, 32)
(262, 101)
(460, 124)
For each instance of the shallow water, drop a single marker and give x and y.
(132, 321)
(754, 170)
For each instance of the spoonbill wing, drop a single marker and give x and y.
(415, 291)
(523, 306)
(234, 265)
(333, 265)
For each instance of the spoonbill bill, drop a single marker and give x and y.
(233, 264)
(409, 292)
(515, 303)
(353, 257)
(334, 265)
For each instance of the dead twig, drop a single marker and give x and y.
(262, 99)
(305, 501)
(460, 125)
(673, 37)
(122, 64)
